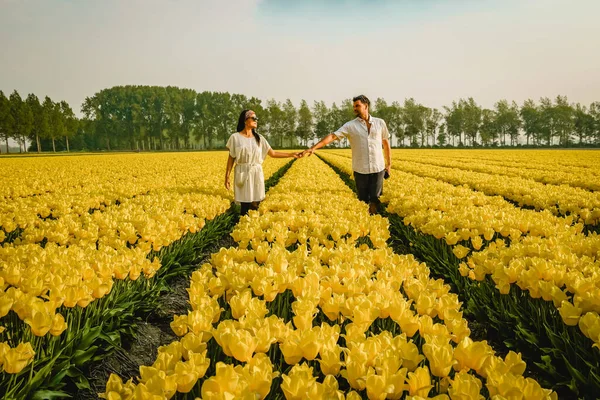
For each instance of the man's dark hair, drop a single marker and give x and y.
(363, 99)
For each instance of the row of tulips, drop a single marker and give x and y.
(506, 275)
(550, 159)
(42, 188)
(51, 274)
(313, 303)
(543, 254)
(579, 203)
(547, 170)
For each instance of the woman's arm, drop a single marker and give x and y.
(230, 161)
(280, 154)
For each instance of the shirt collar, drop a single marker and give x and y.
(362, 121)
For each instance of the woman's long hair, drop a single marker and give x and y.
(242, 124)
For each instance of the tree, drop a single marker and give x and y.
(290, 121)
(530, 115)
(432, 123)
(471, 119)
(40, 122)
(441, 138)
(595, 121)
(6, 120)
(69, 122)
(304, 130)
(563, 120)
(414, 120)
(508, 120)
(275, 121)
(454, 121)
(488, 128)
(323, 125)
(547, 120)
(22, 120)
(57, 121)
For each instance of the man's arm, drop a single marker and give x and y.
(322, 143)
(387, 152)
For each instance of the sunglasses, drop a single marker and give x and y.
(254, 118)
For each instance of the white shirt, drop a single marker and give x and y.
(248, 178)
(367, 153)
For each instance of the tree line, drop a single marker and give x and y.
(29, 120)
(170, 118)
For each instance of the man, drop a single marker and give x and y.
(367, 135)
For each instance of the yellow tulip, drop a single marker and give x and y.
(310, 343)
(426, 303)
(419, 382)
(298, 383)
(264, 337)
(199, 362)
(200, 322)
(239, 303)
(15, 359)
(569, 313)
(356, 368)
(40, 321)
(409, 323)
(460, 251)
(242, 345)
(472, 355)
(259, 373)
(477, 242)
(115, 389)
(533, 390)
(6, 302)
(353, 396)
(440, 355)
(193, 343)
(330, 361)
(290, 348)
(224, 385)
(465, 386)
(180, 326)
(409, 352)
(590, 326)
(304, 311)
(515, 364)
(185, 376)
(377, 386)
(58, 325)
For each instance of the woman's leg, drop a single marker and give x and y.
(245, 207)
(254, 205)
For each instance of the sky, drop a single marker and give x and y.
(434, 51)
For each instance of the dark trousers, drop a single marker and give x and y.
(369, 186)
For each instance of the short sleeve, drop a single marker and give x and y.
(385, 134)
(265, 147)
(343, 131)
(231, 146)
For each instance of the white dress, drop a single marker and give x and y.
(248, 178)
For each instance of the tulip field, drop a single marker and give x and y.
(479, 278)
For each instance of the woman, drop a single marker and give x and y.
(248, 150)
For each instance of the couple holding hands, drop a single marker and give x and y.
(367, 136)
